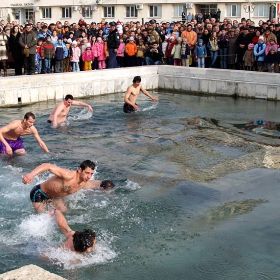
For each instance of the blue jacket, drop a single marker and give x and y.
(44, 35)
(60, 51)
(259, 51)
(200, 51)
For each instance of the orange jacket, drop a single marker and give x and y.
(191, 36)
(131, 49)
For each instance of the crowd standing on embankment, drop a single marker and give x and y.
(197, 41)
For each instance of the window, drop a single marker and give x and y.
(87, 12)
(261, 10)
(233, 10)
(109, 12)
(131, 11)
(208, 9)
(66, 12)
(178, 9)
(46, 12)
(155, 11)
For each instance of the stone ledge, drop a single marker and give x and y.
(30, 272)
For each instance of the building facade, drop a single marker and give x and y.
(112, 10)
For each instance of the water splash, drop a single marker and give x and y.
(149, 108)
(85, 114)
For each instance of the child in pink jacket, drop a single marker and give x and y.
(101, 54)
(87, 58)
(120, 53)
(94, 53)
(75, 58)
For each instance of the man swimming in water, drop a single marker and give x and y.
(76, 241)
(64, 182)
(61, 110)
(132, 93)
(10, 135)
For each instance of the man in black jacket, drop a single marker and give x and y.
(153, 55)
(113, 44)
(28, 41)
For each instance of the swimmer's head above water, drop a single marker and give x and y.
(106, 184)
(84, 241)
(136, 79)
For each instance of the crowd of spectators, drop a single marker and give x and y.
(195, 41)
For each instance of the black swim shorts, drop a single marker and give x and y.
(37, 195)
(48, 121)
(128, 108)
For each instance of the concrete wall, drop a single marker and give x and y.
(19, 90)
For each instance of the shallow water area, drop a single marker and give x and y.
(196, 195)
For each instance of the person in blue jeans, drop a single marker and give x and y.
(200, 54)
(213, 47)
(153, 55)
(223, 43)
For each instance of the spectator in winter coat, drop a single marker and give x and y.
(223, 43)
(272, 60)
(60, 53)
(185, 52)
(176, 52)
(101, 54)
(200, 54)
(47, 53)
(249, 58)
(131, 50)
(87, 57)
(94, 53)
(259, 52)
(120, 53)
(76, 53)
(153, 55)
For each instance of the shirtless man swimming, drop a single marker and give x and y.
(132, 93)
(61, 110)
(10, 135)
(64, 182)
(76, 241)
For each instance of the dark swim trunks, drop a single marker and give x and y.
(14, 144)
(48, 121)
(37, 195)
(128, 108)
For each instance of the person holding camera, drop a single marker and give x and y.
(153, 55)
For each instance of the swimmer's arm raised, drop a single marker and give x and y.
(62, 223)
(148, 94)
(39, 140)
(83, 104)
(60, 172)
(92, 184)
(126, 99)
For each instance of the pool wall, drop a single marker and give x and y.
(22, 90)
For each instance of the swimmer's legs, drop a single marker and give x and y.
(39, 207)
(59, 204)
(20, 152)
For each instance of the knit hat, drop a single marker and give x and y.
(261, 38)
(200, 41)
(74, 43)
(251, 46)
(131, 38)
(59, 38)
(273, 48)
(88, 45)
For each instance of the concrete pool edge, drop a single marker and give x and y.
(33, 272)
(24, 90)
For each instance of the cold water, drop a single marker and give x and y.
(196, 197)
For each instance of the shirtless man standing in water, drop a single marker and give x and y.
(10, 141)
(64, 182)
(131, 95)
(61, 110)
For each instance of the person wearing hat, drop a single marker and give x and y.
(272, 60)
(131, 50)
(87, 57)
(59, 54)
(113, 42)
(47, 53)
(259, 52)
(249, 57)
(267, 35)
(28, 41)
(161, 36)
(242, 42)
